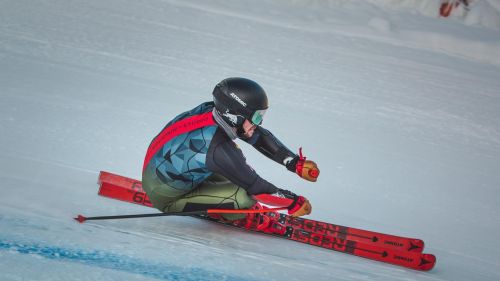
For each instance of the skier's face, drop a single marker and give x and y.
(249, 128)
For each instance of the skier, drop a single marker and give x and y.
(194, 164)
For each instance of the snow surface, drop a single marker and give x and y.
(400, 109)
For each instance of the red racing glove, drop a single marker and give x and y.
(297, 205)
(300, 207)
(306, 169)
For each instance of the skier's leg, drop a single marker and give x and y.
(214, 193)
(159, 193)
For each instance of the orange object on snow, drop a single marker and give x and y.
(448, 5)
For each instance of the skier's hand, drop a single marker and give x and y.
(306, 169)
(299, 207)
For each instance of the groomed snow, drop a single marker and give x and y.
(399, 108)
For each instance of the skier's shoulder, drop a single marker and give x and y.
(222, 141)
(199, 109)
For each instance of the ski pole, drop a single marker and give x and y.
(82, 219)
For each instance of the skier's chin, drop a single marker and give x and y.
(248, 134)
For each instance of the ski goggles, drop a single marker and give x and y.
(257, 117)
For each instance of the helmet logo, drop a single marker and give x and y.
(231, 117)
(238, 99)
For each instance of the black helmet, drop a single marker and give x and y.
(237, 99)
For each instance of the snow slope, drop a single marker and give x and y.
(401, 110)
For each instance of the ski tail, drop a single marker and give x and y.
(122, 188)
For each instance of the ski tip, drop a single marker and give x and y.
(80, 219)
(427, 262)
(416, 245)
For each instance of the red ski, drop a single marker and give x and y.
(130, 190)
(411, 260)
(354, 234)
(372, 245)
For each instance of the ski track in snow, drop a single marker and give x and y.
(400, 109)
(111, 261)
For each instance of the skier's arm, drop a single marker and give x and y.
(265, 142)
(269, 145)
(225, 158)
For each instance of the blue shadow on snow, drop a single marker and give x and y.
(112, 261)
